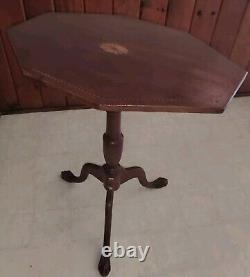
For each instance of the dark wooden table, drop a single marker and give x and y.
(120, 64)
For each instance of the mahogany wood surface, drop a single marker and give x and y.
(29, 93)
(146, 67)
(74, 101)
(226, 36)
(52, 97)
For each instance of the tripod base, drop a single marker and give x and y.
(123, 174)
(112, 175)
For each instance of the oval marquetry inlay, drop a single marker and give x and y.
(114, 48)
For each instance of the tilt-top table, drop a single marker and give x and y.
(119, 64)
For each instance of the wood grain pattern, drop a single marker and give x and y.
(222, 37)
(241, 50)
(204, 19)
(8, 95)
(99, 6)
(69, 5)
(154, 11)
(11, 12)
(129, 7)
(228, 25)
(180, 14)
(37, 7)
(52, 98)
(28, 93)
(165, 75)
(74, 101)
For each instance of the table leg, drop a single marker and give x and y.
(104, 264)
(88, 168)
(138, 172)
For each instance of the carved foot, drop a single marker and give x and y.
(87, 169)
(104, 266)
(138, 172)
(156, 184)
(68, 176)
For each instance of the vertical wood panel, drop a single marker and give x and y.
(228, 25)
(69, 5)
(129, 7)
(8, 96)
(99, 6)
(204, 20)
(180, 14)
(241, 49)
(11, 11)
(29, 96)
(33, 8)
(154, 10)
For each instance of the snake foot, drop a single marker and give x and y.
(104, 266)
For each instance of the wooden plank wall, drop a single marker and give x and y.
(129, 7)
(180, 14)
(28, 94)
(69, 6)
(223, 24)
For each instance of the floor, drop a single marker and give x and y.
(197, 227)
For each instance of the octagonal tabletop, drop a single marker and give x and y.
(115, 63)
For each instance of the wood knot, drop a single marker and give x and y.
(199, 13)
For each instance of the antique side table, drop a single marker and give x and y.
(119, 64)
